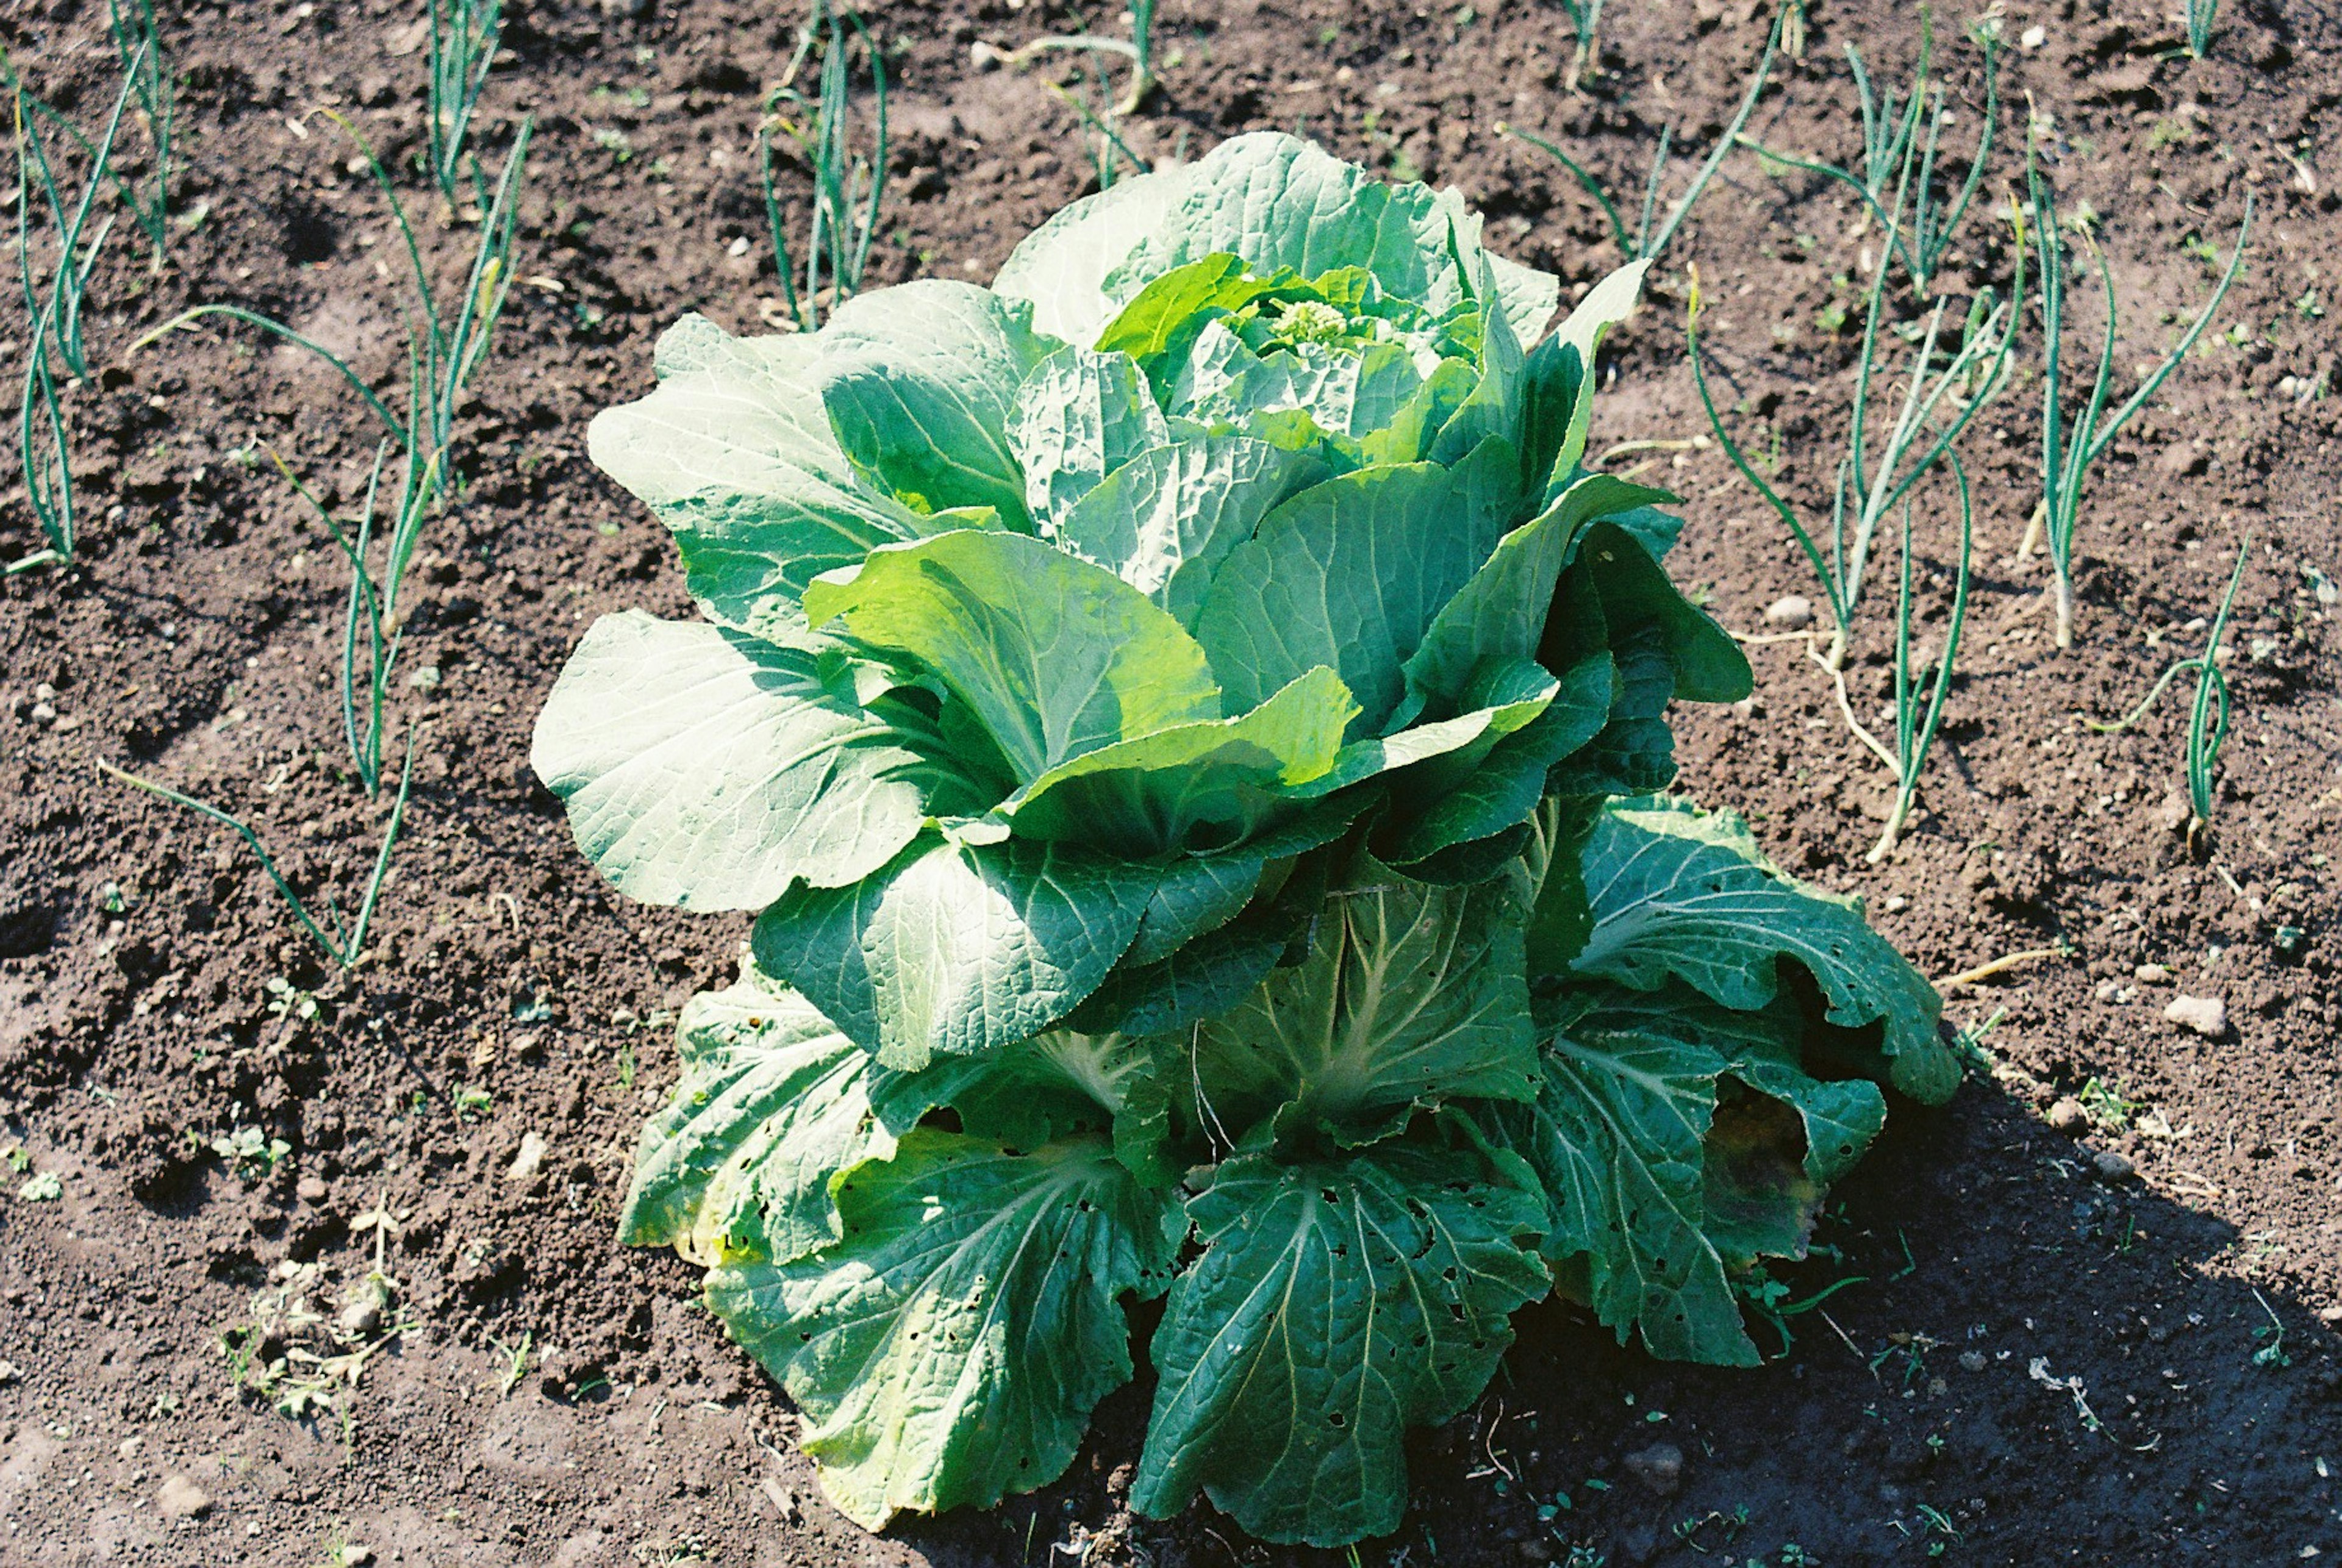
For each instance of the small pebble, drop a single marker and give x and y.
(2067, 1116)
(528, 1162)
(2206, 1015)
(181, 1498)
(43, 714)
(2153, 974)
(983, 56)
(309, 1189)
(2114, 1167)
(1791, 610)
(1658, 1467)
(1972, 1361)
(45, 693)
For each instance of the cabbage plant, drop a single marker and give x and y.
(1188, 724)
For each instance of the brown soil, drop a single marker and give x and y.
(2039, 1362)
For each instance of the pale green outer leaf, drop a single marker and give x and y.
(1501, 612)
(709, 769)
(1349, 574)
(1225, 776)
(949, 1348)
(1165, 520)
(1056, 656)
(1061, 267)
(1558, 391)
(773, 1102)
(1677, 890)
(1411, 993)
(1335, 1306)
(918, 380)
(953, 948)
(1078, 417)
(734, 451)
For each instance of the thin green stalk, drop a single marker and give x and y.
(1892, 149)
(843, 218)
(2200, 14)
(465, 34)
(1867, 486)
(188, 317)
(1642, 244)
(2208, 715)
(1586, 18)
(1916, 720)
(346, 945)
(69, 284)
(146, 67)
(2068, 455)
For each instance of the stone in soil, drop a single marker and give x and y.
(1791, 610)
(1658, 1467)
(2207, 1015)
(2067, 1116)
(181, 1498)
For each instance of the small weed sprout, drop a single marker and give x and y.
(1642, 243)
(464, 38)
(2207, 715)
(1899, 168)
(250, 1153)
(515, 1362)
(847, 183)
(2067, 453)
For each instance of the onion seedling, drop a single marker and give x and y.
(146, 70)
(447, 345)
(2200, 25)
(846, 185)
(1897, 164)
(2207, 715)
(1586, 16)
(346, 943)
(464, 38)
(1642, 243)
(68, 284)
(2069, 453)
(1920, 711)
(1936, 407)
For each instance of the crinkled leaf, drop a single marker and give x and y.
(949, 1348)
(1195, 786)
(1349, 574)
(918, 380)
(1335, 1306)
(1677, 890)
(773, 1102)
(1057, 657)
(1410, 995)
(955, 948)
(1279, 202)
(1665, 1177)
(1080, 416)
(1164, 521)
(709, 769)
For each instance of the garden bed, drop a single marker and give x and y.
(2087, 1312)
